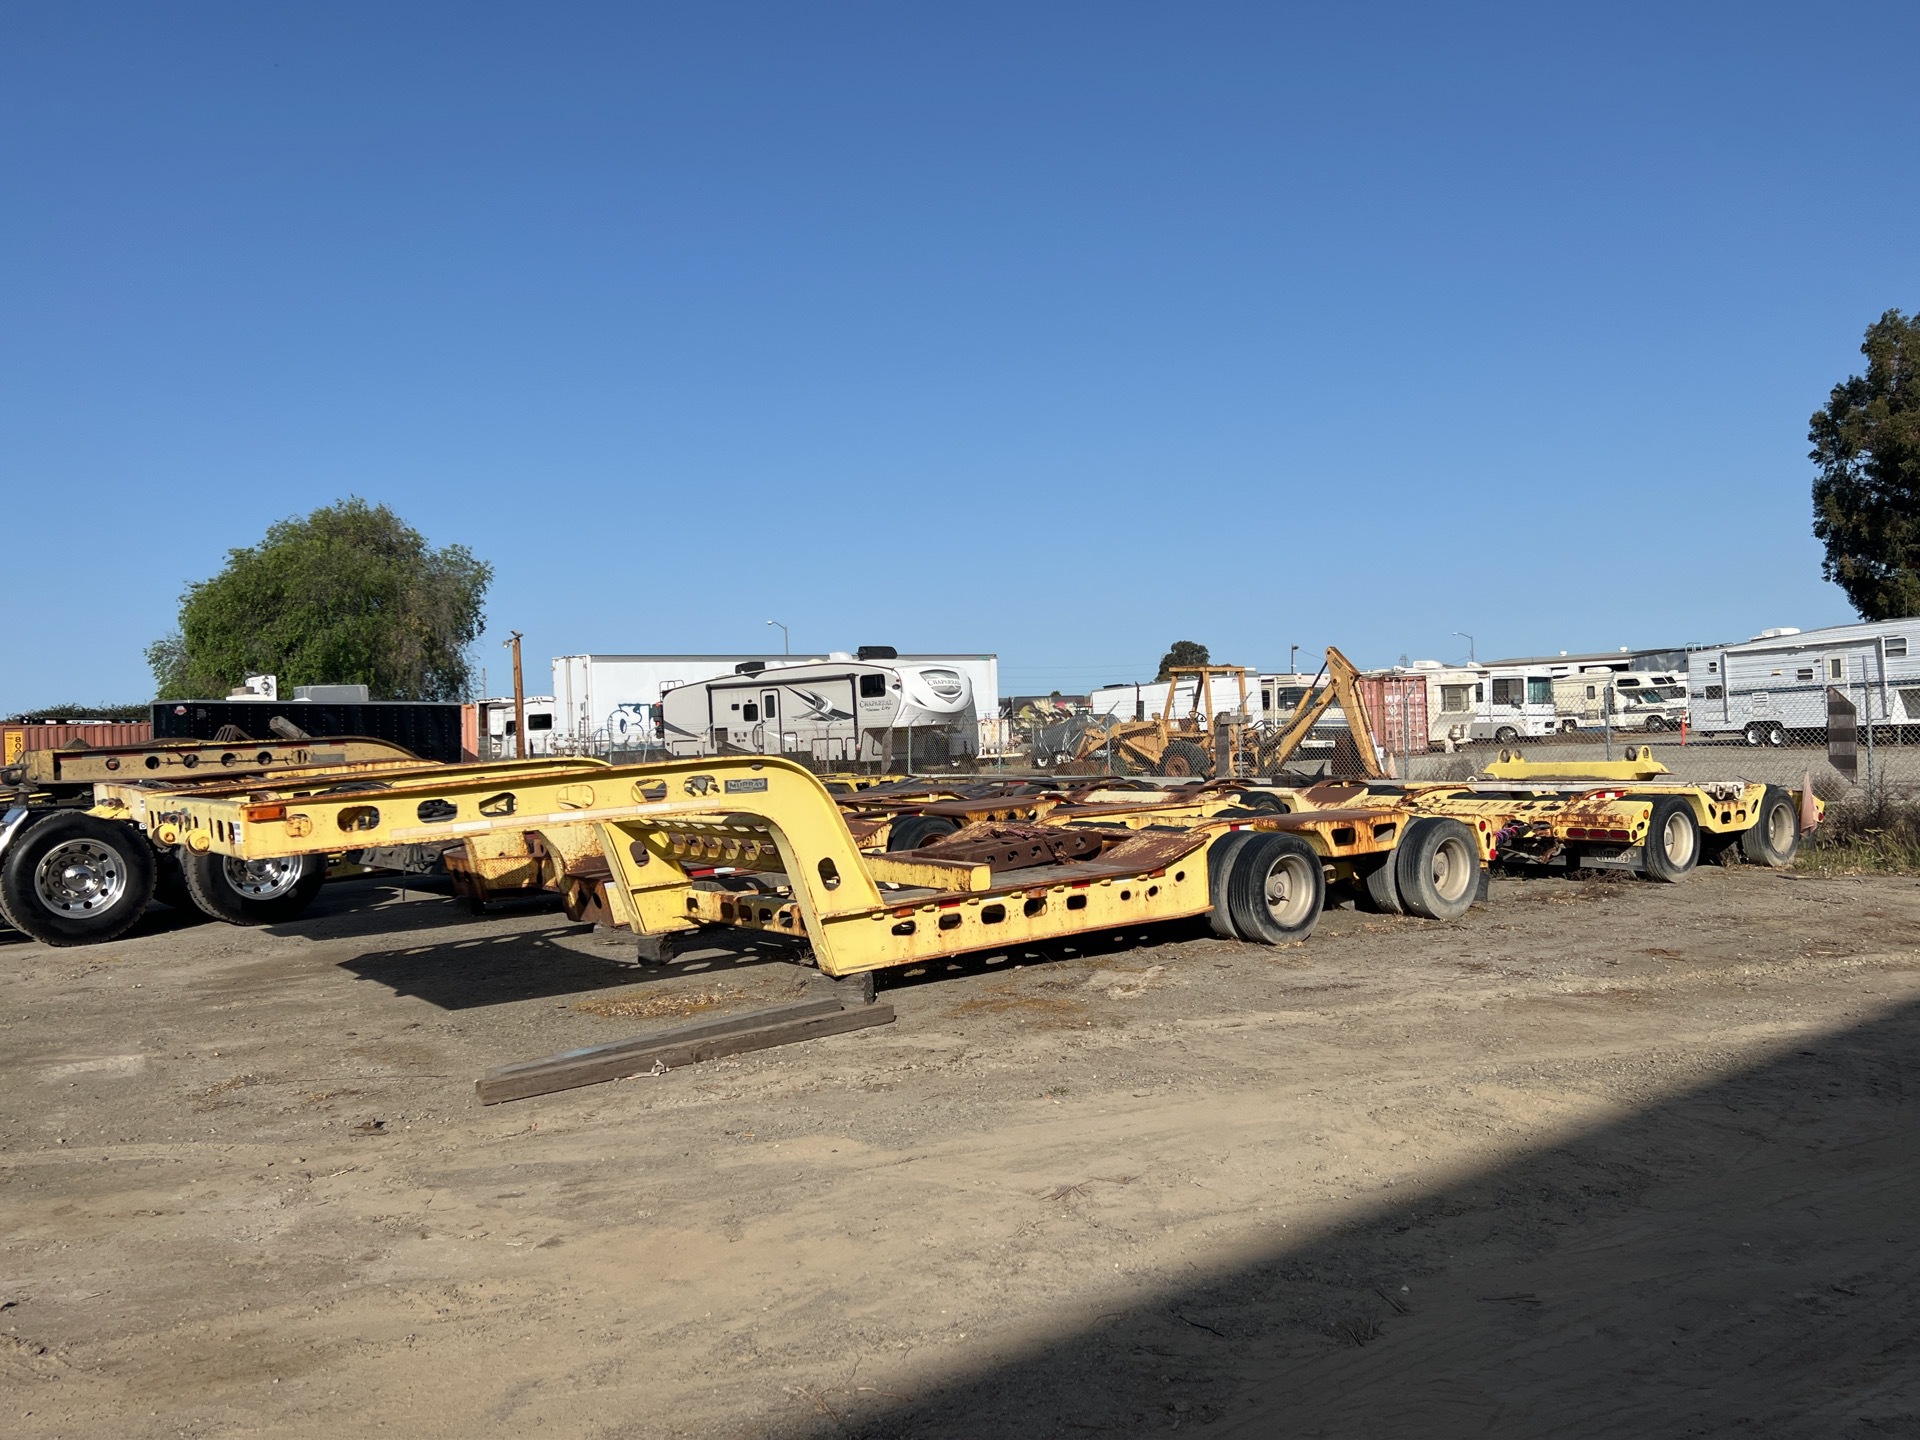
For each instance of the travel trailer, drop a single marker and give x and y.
(825, 713)
(611, 703)
(1773, 688)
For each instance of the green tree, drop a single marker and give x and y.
(1866, 503)
(1184, 652)
(350, 594)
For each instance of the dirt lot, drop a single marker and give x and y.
(1604, 1158)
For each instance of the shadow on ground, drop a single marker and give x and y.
(1737, 1260)
(499, 968)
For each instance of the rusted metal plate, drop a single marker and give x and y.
(1015, 847)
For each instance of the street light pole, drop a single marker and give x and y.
(1293, 652)
(1472, 659)
(786, 644)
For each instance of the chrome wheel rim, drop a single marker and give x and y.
(1288, 891)
(80, 877)
(262, 879)
(1676, 838)
(1452, 870)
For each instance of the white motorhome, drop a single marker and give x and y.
(1505, 703)
(1455, 694)
(829, 712)
(1630, 699)
(1774, 687)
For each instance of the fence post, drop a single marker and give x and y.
(1866, 694)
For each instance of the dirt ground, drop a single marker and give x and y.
(1605, 1158)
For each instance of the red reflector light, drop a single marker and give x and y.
(258, 813)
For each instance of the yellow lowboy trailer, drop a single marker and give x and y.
(75, 877)
(1629, 814)
(758, 843)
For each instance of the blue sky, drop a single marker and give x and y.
(1059, 331)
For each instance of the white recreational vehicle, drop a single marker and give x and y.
(1504, 703)
(1774, 687)
(1629, 700)
(611, 703)
(826, 712)
(498, 728)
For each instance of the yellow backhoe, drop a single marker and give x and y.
(1207, 741)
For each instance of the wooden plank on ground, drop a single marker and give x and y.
(679, 1034)
(686, 1045)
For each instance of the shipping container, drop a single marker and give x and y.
(1397, 712)
(18, 739)
(429, 729)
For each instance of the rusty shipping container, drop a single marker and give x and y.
(16, 740)
(1397, 711)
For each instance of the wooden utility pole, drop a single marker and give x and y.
(519, 701)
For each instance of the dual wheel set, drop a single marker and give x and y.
(68, 878)
(1270, 888)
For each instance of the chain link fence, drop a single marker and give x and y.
(1791, 734)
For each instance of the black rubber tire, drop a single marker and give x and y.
(1774, 837)
(1183, 758)
(103, 852)
(910, 832)
(1506, 735)
(170, 881)
(1655, 724)
(215, 889)
(1378, 891)
(1436, 866)
(1266, 863)
(1219, 864)
(1672, 846)
(1764, 732)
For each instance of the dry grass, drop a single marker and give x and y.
(676, 1006)
(1866, 831)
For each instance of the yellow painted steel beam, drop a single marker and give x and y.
(197, 760)
(119, 798)
(1637, 764)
